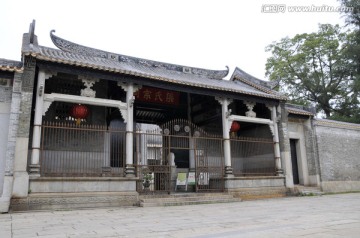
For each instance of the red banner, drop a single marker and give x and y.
(159, 96)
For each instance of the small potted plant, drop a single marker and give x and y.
(147, 177)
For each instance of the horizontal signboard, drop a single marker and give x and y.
(159, 96)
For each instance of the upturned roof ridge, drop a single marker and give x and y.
(72, 47)
(257, 83)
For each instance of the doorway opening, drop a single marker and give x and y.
(294, 161)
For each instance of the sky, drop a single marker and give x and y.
(209, 34)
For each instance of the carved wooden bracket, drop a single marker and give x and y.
(250, 106)
(124, 86)
(88, 83)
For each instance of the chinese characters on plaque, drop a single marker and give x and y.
(159, 96)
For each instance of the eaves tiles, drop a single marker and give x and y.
(10, 65)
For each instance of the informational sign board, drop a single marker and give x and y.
(191, 178)
(181, 180)
(203, 178)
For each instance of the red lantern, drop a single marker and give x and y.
(235, 126)
(79, 112)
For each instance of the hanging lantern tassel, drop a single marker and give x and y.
(79, 112)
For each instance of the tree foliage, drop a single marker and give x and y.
(353, 16)
(316, 69)
(352, 52)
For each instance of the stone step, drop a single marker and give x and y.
(185, 199)
(308, 191)
(167, 200)
(61, 201)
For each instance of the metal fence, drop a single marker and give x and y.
(252, 156)
(93, 150)
(84, 150)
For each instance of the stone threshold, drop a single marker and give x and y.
(254, 177)
(84, 178)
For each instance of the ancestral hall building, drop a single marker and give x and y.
(85, 127)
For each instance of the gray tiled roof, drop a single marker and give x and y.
(95, 59)
(264, 86)
(10, 65)
(300, 110)
(71, 47)
(338, 124)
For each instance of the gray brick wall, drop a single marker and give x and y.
(27, 81)
(5, 94)
(310, 145)
(13, 124)
(339, 153)
(25, 114)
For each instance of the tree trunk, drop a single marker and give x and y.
(327, 113)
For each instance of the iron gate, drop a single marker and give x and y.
(185, 145)
(209, 164)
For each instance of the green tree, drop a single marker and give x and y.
(315, 69)
(352, 18)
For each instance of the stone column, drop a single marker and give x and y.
(130, 169)
(274, 119)
(191, 139)
(36, 138)
(285, 146)
(226, 136)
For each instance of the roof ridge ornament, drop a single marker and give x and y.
(32, 31)
(72, 47)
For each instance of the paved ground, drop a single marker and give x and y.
(325, 216)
